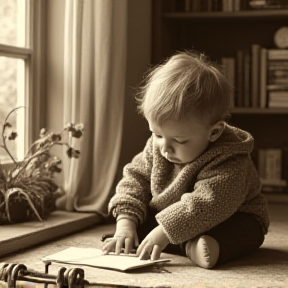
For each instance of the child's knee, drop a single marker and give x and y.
(203, 251)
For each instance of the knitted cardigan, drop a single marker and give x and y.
(193, 198)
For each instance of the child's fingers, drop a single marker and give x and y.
(156, 252)
(107, 240)
(136, 241)
(140, 248)
(119, 244)
(145, 251)
(109, 246)
(128, 245)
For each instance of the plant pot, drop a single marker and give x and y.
(18, 210)
(18, 205)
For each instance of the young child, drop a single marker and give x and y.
(193, 190)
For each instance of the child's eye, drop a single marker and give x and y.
(181, 142)
(157, 136)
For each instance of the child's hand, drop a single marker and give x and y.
(153, 244)
(125, 237)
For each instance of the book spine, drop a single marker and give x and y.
(273, 164)
(237, 5)
(277, 104)
(228, 64)
(247, 78)
(278, 95)
(209, 5)
(187, 6)
(278, 99)
(263, 78)
(278, 54)
(255, 75)
(277, 87)
(270, 170)
(239, 78)
(195, 5)
(169, 6)
(285, 163)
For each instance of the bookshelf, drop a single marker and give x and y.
(247, 110)
(221, 34)
(194, 16)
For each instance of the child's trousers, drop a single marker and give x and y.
(239, 235)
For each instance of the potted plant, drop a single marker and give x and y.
(28, 190)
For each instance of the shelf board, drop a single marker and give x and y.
(240, 110)
(258, 14)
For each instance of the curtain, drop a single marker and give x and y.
(94, 74)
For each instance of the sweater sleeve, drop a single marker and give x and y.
(133, 192)
(218, 193)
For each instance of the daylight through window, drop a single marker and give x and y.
(15, 68)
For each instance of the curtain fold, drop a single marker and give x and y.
(95, 83)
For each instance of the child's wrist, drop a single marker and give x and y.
(127, 218)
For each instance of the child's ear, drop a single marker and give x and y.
(217, 130)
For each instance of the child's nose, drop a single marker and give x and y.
(166, 148)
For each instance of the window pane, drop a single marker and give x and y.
(12, 87)
(12, 22)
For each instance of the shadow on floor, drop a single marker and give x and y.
(262, 257)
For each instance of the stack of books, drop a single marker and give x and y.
(277, 77)
(268, 4)
(272, 169)
(226, 5)
(259, 76)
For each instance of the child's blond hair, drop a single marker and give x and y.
(186, 85)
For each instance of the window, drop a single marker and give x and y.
(20, 50)
(21, 70)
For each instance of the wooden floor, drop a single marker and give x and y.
(267, 267)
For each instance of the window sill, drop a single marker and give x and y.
(59, 223)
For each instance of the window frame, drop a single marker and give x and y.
(33, 55)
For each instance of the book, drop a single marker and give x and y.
(279, 95)
(215, 5)
(277, 67)
(270, 170)
(278, 99)
(237, 5)
(277, 104)
(270, 164)
(239, 78)
(263, 78)
(227, 5)
(278, 54)
(257, 4)
(228, 64)
(94, 257)
(279, 76)
(255, 71)
(273, 164)
(247, 78)
(269, 4)
(277, 87)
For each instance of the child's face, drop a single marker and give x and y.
(181, 141)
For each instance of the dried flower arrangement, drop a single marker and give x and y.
(28, 190)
